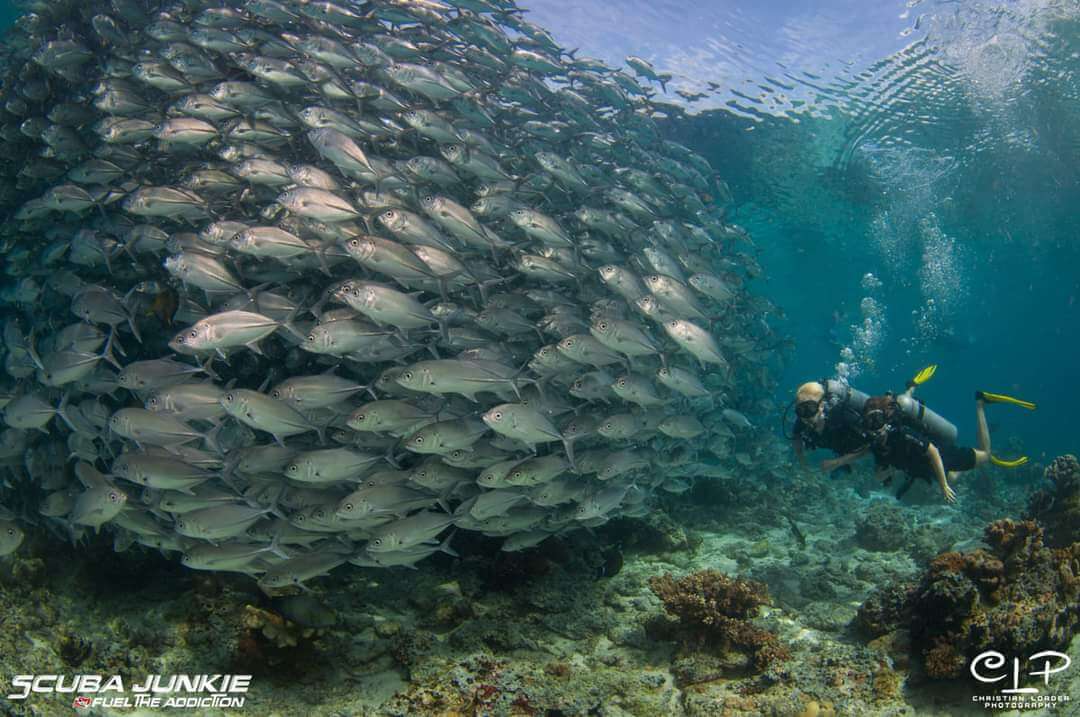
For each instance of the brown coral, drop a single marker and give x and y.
(1017, 599)
(713, 607)
(1058, 508)
(268, 641)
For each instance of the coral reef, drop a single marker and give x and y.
(1018, 597)
(1058, 508)
(883, 528)
(715, 608)
(888, 608)
(556, 630)
(278, 630)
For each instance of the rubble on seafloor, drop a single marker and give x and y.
(568, 628)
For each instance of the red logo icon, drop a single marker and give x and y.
(81, 701)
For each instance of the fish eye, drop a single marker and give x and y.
(662, 372)
(11, 531)
(377, 541)
(228, 397)
(354, 242)
(622, 383)
(407, 376)
(311, 337)
(603, 326)
(418, 440)
(518, 474)
(497, 415)
(292, 468)
(300, 518)
(181, 524)
(569, 343)
(348, 507)
(114, 497)
(276, 393)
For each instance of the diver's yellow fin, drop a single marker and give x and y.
(1015, 463)
(925, 375)
(1002, 398)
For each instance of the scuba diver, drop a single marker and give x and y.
(828, 415)
(899, 436)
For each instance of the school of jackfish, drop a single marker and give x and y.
(292, 284)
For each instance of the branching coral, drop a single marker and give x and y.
(715, 608)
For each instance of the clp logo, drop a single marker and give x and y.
(992, 660)
(81, 701)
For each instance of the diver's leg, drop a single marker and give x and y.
(983, 429)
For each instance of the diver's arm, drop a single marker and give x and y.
(797, 446)
(834, 463)
(934, 456)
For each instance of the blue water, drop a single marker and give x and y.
(933, 146)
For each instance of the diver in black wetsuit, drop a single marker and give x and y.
(825, 419)
(896, 444)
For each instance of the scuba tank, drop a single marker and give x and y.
(922, 418)
(914, 411)
(838, 393)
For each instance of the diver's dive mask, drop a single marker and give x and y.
(874, 420)
(806, 410)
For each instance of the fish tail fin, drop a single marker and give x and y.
(320, 253)
(568, 445)
(391, 458)
(62, 413)
(107, 352)
(32, 351)
(208, 368)
(445, 545)
(288, 325)
(275, 546)
(210, 439)
(134, 328)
